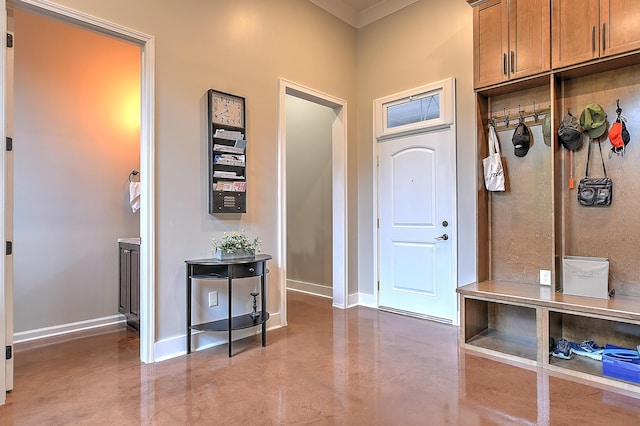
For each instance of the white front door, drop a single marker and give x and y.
(417, 218)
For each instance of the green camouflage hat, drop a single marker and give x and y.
(546, 129)
(594, 120)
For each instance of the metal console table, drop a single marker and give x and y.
(208, 269)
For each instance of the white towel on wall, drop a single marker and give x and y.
(134, 195)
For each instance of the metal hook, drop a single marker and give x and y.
(618, 109)
(493, 122)
(569, 112)
(506, 117)
(520, 117)
(133, 173)
(535, 112)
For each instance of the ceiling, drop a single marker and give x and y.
(359, 13)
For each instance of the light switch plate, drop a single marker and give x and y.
(545, 277)
(213, 299)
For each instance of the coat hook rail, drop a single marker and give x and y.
(530, 118)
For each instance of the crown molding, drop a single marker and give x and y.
(359, 19)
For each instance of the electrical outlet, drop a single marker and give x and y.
(213, 299)
(545, 277)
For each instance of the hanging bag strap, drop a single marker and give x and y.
(586, 172)
(494, 146)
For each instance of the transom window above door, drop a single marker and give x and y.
(421, 108)
(413, 109)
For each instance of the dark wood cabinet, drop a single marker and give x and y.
(129, 294)
(591, 29)
(511, 40)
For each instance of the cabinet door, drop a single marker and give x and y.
(619, 26)
(134, 289)
(576, 31)
(529, 37)
(490, 43)
(124, 296)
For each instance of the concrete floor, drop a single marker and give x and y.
(329, 366)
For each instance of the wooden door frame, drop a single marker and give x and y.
(147, 151)
(339, 190)
(449, 121)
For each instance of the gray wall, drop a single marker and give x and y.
(430, 40)
(76, 140)
(293, 39)
(242, 47)
(309, 206)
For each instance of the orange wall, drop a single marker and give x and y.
(76, 108)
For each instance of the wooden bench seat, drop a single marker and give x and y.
(518, 322)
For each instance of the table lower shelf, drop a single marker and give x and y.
(237, 323)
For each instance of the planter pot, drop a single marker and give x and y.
(240, 254)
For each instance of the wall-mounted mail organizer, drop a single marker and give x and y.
(531, 115)
(227, 153)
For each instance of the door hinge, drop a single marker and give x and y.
(9, 40)
(378, 285)
(9, 352)
(9, 144)
(378, 223)
(378, 161)
(8, 247)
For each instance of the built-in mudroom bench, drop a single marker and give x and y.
(515, 322)
(538, 64)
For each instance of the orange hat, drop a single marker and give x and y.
(618, 135)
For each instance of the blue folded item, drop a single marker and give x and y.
(621, 363)
(622, 354)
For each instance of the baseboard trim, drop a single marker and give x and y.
(176, 346)
(67, 329)
(310, 288)
(368, 300)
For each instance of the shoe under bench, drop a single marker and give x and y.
(514, 322)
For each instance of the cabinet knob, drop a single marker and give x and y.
(252, 269)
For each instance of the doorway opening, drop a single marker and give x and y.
(309, 204)
(292, 93)
(145, 115)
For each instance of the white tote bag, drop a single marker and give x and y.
(493, 172)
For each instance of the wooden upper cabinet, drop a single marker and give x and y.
(490, 43)
(591, 29)
(576, 31)
(511, 40)
(529, 37)
(620, 24)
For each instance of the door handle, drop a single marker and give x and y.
(442, 237)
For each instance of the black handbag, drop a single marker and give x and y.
(593, 191)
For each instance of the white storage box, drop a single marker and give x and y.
(585, 276)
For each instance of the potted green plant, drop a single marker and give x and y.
(235, 245)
